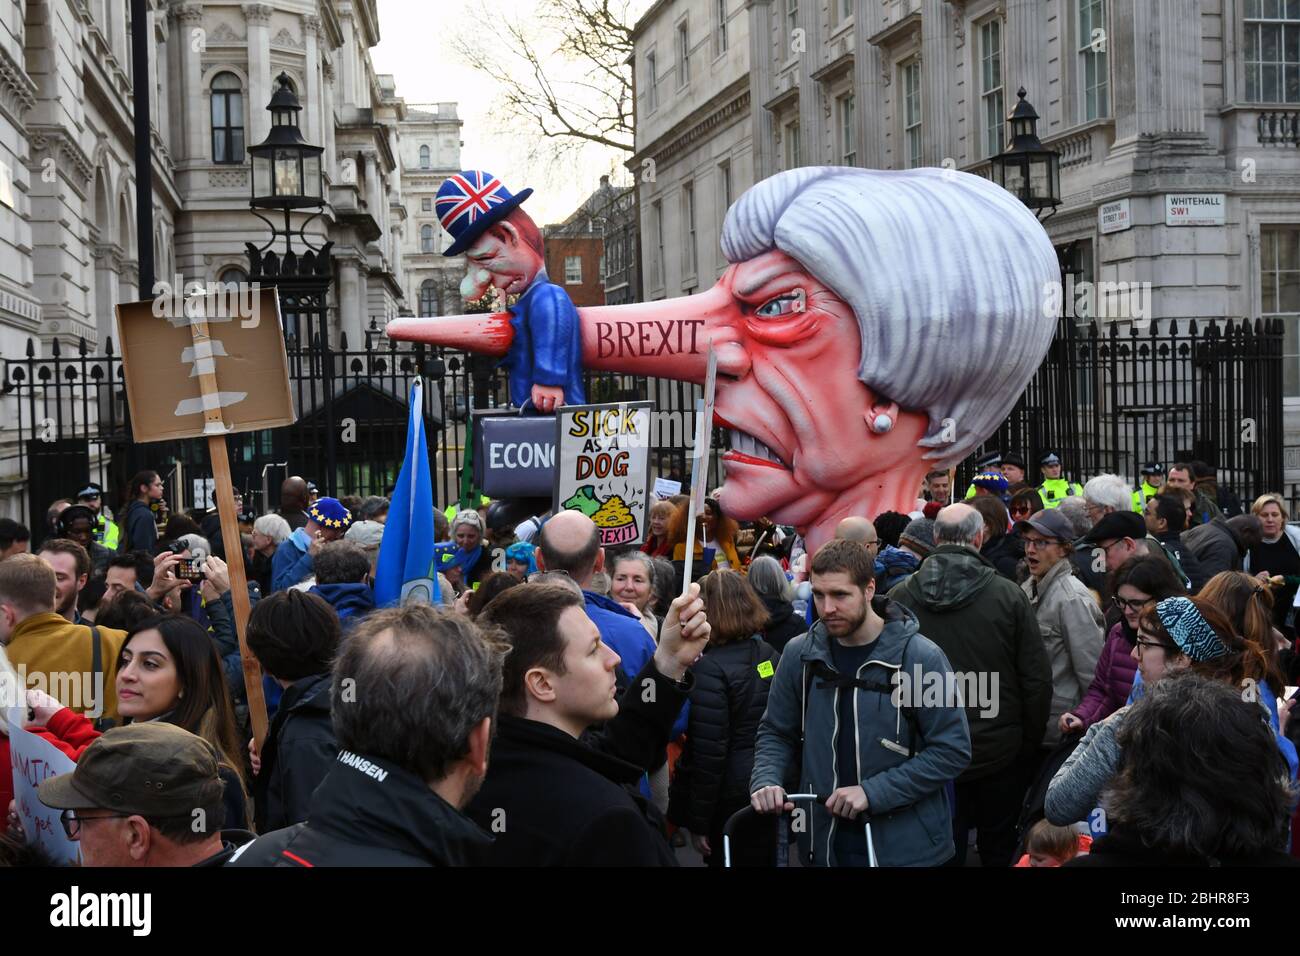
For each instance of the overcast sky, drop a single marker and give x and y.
(415, 46)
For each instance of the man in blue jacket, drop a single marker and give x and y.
(505, 251)
(327, 520)
(883, 730)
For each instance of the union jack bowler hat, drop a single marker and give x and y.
(469, 203)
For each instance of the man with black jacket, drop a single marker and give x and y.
(984, 625)
(1222, 544)
(1165, 518)
(557, 794)
(415, 693)
(294, 635)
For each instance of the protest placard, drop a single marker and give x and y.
(33, 760)
(603, 467)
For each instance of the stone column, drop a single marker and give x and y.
(1181, 84)
(257, 16)
(347, 55)
(760, 58)
(1022, 59)
(311, 93)
(937, 141)
(351, 300)
(869, 88)
(194, 112)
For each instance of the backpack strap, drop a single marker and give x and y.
(829, 677)
(100, 723)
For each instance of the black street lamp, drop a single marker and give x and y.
(1027, 168)
(286, 168)
(287, 176)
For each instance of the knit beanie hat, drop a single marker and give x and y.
(330, 513)
(919, 536)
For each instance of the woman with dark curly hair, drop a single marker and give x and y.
(1202, 784)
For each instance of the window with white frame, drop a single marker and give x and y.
(426, 204)
(573, 270)
(844, 9)
(1272, 51)
(426, 238)
(848, 126)
(683, 55)
(1279, 266)
(428, 297)
(652, 81)
(912, 113)
(791, 24)
(227, 119)
(720, 31)
(791, 138)
(657, 215)
(992, 104)
(689, 259)
(424, 157)
(1094, 78)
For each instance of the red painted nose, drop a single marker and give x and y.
(668, 339)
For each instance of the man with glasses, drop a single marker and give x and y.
(148, 794)
(1121, 535)
(1068, 618)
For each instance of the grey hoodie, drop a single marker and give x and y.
(906, 796)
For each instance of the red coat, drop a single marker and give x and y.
(67, 730)
(1112, 680)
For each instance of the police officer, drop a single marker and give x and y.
(988, 462)
(106, 530)
(1054, 488)
(1153, 482)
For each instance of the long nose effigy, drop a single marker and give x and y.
(668, 339)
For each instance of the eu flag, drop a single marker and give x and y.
(405, 572)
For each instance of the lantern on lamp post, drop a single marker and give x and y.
(1027, 168)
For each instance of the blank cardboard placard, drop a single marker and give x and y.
(164, 367)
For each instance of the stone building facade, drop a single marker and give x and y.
(430, 152)
(1176, 120)
(67, 186)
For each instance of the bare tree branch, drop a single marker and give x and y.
(565, 73)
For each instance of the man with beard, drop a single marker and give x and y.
(863, 667)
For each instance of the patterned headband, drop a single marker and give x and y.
(1190, 631)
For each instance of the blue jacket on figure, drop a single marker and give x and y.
(547, 347)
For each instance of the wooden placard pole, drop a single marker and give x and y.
(700, 469)
(215, 428)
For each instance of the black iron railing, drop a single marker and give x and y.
(1106, 400)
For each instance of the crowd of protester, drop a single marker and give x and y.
(1080, 674)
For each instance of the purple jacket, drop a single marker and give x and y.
(1113, 680)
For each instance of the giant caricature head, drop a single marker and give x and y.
(873, 326)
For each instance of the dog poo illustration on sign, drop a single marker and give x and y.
(603, 467)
